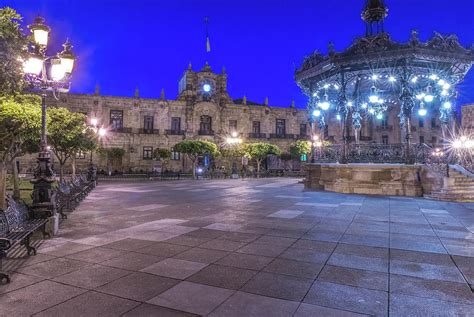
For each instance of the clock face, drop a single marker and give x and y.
(206, 88)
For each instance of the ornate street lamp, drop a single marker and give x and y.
(376, 74)
(100, 133)
(46, 74)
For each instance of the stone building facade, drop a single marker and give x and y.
(467, 118)
(204, 110)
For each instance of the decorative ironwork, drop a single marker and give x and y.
(376, 74)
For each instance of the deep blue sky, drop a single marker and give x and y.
(123, 44)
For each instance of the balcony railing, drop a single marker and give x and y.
(384, 128)
(257, 135)
(303, 137)
(174, 132)
(205, 132)
(121, 130)
(149, 131)
(282, 136)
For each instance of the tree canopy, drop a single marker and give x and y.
(68, 134)
(196, 148)
(13, 44)
(259, 152)
(301, 147)
(161, 154)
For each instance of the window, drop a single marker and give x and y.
(116, 119)
(280, 127)
(232, 125)
(385, 122)
(434, 140)
(326, 131)
(421, 122)
(175, 156)
(433, 123)
(384, 139)
(205, 126)
(176, 124)
(422, 139)
(303, 130)
(147, 152)
(148, 123)
(256, 127)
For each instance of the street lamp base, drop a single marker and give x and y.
(43, 206)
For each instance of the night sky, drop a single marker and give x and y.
(124, 44)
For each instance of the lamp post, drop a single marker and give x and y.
(231, 141)
(100, 132)
(46, 74)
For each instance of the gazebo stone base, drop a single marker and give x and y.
(372, 179)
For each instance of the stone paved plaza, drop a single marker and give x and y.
(248, 248)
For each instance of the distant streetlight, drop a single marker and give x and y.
(232, 141)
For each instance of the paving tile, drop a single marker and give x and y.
(53, 268)
(222, 276)
(91, 304)
(294, 268)
(149, 310)
(440, 290)
(163, 249)
(323, 236)
(96, 255)
(361, 250)
(421, 257)
(206, 233)
(354, 277)
(263, 249)
(280, 241)
(363, 239)
(286, 214)
(349, 298)
(36, 297)
(128, 244)
(287, 233)
(92, 276)
(251, 305)
(279, 286)
(305, 255)
(223, 245)
(245, 261)
(308, 310)
(23, 260)
(174, 268)
(186, 240)
(427, 271)
(193, 298)
(19, 280)
(359, 262)
(132, 261)
(239, 236)
(202, 255)
(315, 245)
(404, 305)
(138, 286)
(64, 249)
(466, 266)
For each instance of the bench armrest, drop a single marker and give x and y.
(5, 244)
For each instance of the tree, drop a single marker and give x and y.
(195, 149)
(259, 152)
(20, 126)
(68, 135)
(300, 148)
(13, 52)
(162, 155)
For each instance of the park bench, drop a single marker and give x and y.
(69, 194)
(16, 227)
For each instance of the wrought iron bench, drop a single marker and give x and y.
(68, 195)
(16, 227)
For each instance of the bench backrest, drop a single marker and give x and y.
(13, 217)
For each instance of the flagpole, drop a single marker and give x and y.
(208, 42)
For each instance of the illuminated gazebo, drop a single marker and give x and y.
(375, 74)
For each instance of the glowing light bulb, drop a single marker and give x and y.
(326, 86)
(446, 86)
(371, 110)
(433, 77)
(379, 116)
(336, 86)
(102, 132)
(414, 79)
(364, 105)
(338, 117)
(206, 88)
(315, 94)
(422, 112)
(350, 104)
(392, 79)
(324, 105)
(420, 96)
(444, 93)
(373, 98)
(428, 98)
(457, 144)
(447, 105)
(374, 77)
(316, 113)
(441, 82)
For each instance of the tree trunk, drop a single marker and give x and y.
(3, 186)
(258, 168)
(16, 180)
(61, 172)
(194, 169)
(73, 165)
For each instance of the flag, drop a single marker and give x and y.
(208, 44)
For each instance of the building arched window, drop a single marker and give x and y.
(205, 125)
